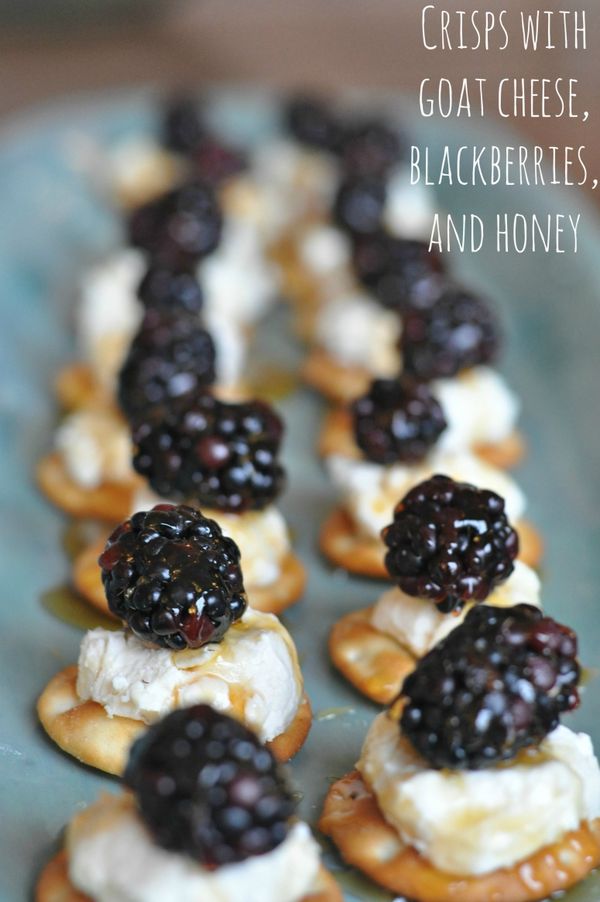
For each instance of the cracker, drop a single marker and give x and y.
(336, 437)
(353, 820)
(110, 501)
(55, 885)
(85, 730)
(374, 663)
(335, 381)
(344, 547)
(271, 599)
(76, 387)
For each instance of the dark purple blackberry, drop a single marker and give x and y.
(206, 787)
(173, 578)
(170, 290)
(455, 332)
(183, 127)
(370, 148)
(180, 227)
(218, 455)
(397, 420)
(496, 684)
(358, 205)
(398, 271)
(171, 355)
(214, 162)
(312, 122)
(450, 542)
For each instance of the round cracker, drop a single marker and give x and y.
(110, 501)
(271, 599)
(362, 555)
(353, 820)
(54, 885)
(76, 387)
(336, 437)
(374, 663)
(85, 731)
(339, 383)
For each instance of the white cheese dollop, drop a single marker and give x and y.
(371, 491)
(357, 331)
(418, 625)
(262, 537)
(113, 858)
(253, 673)
(479, 408)
(109, 313)
(238, 280)
(474, 822)
(95, 447)
(409, 209)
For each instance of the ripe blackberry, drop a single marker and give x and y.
(183, 127)
(399, 272)
(358, 205)
(370, 148)
(170, 289)
(450, 542)
(496, 684)
(220, 455)
(312, 122)
(206, 787)
(397, 420)
(457, 331)
(170, 356)
(214, 162)
(180, 227)
(173, 577)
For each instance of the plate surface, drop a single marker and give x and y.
(51, 226)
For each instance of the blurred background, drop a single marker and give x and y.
(50, 48)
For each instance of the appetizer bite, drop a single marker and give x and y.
(468, 788)
(188, 636)
(205, 813)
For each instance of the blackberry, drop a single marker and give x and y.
(312, 122)
(207, 788)
(496, 684)
(218, 454)
(399, 272)
(457, 331)
(171, 355)
(370, 148)
(170, 289)
(214, 162)
(358, 205)
(173, 577)
(183, 127)
(450, 542)
(180, 227)
(397, 420)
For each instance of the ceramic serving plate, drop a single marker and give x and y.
(52, 225)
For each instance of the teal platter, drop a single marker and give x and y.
(52, 225)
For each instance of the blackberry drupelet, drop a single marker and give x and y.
(183, 127)
(171, 355)
(179, 227)
(450, 542)
(219, 455)
(397, 420)
(496, 684)
(173, 577)
(170, 289)
(399, 272)
(370, 147)
(312, 122)
(457, 331)
(358, 205)
(206, 787)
